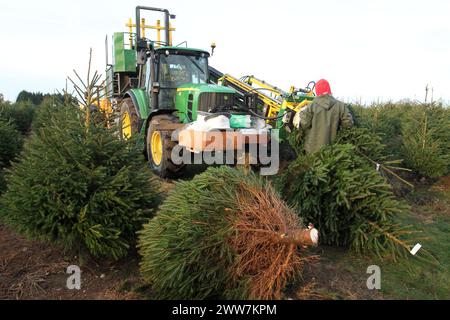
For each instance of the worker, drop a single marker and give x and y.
(322, 119)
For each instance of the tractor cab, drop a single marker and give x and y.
(158, 91)
(180, 82)
(176, 67)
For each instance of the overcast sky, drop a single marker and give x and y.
(368, 50)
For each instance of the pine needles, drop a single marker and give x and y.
(415, 132)
(85, 191)
(10, 146)
(220, 235)
(350, 203)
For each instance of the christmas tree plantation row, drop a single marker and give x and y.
(83, 188)
(224, 234)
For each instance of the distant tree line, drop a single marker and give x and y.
(16, 120)
(36, 98)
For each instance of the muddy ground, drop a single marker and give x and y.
(33, 270)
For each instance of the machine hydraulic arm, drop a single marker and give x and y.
(273, 99)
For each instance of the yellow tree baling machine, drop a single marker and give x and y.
(278, 106)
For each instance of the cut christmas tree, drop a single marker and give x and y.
(224, 234)
(352, 205)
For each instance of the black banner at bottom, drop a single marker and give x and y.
(191, 310)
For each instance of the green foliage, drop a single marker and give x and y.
(346, 199)
(35, 98)
(80, 187)
(44, 113)
(2, 99)
(439, 119)
(10, 146)
(417, 133)
(10, 143)
(186, 251)
(20, 113)
(296, 141)
(365, 142)
(383, 120)
(421, 279)
(422, 151)
(2, 181)
(184, 254)
(426, 141)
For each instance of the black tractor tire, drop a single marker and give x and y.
(163, 167)
(127, 108)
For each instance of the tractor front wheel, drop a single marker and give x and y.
(159, 146)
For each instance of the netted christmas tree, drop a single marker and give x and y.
(79, 185)
(352, 205)
(224, 234)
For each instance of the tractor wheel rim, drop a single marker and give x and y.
(126, 126)
(156, 147)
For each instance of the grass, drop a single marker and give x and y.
(421, 280)
(342, 275)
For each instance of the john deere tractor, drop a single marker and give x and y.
(158, 88)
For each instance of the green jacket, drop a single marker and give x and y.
(321, 121)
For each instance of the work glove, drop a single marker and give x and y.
(286, 117)
(296, 121)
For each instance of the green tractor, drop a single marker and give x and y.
(158, 88)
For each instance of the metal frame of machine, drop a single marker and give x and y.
(149, 107)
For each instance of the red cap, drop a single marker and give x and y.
(322, 87)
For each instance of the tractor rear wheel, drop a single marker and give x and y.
(159, 146)
(129, 120)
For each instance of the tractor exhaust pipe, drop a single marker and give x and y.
(167, 17)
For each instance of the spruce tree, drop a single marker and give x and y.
(349, 202)
(10, 143)
(19, 113)
(84, 189)
(425, 145)
(10, 146)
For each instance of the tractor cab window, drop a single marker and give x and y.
(177, 70)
